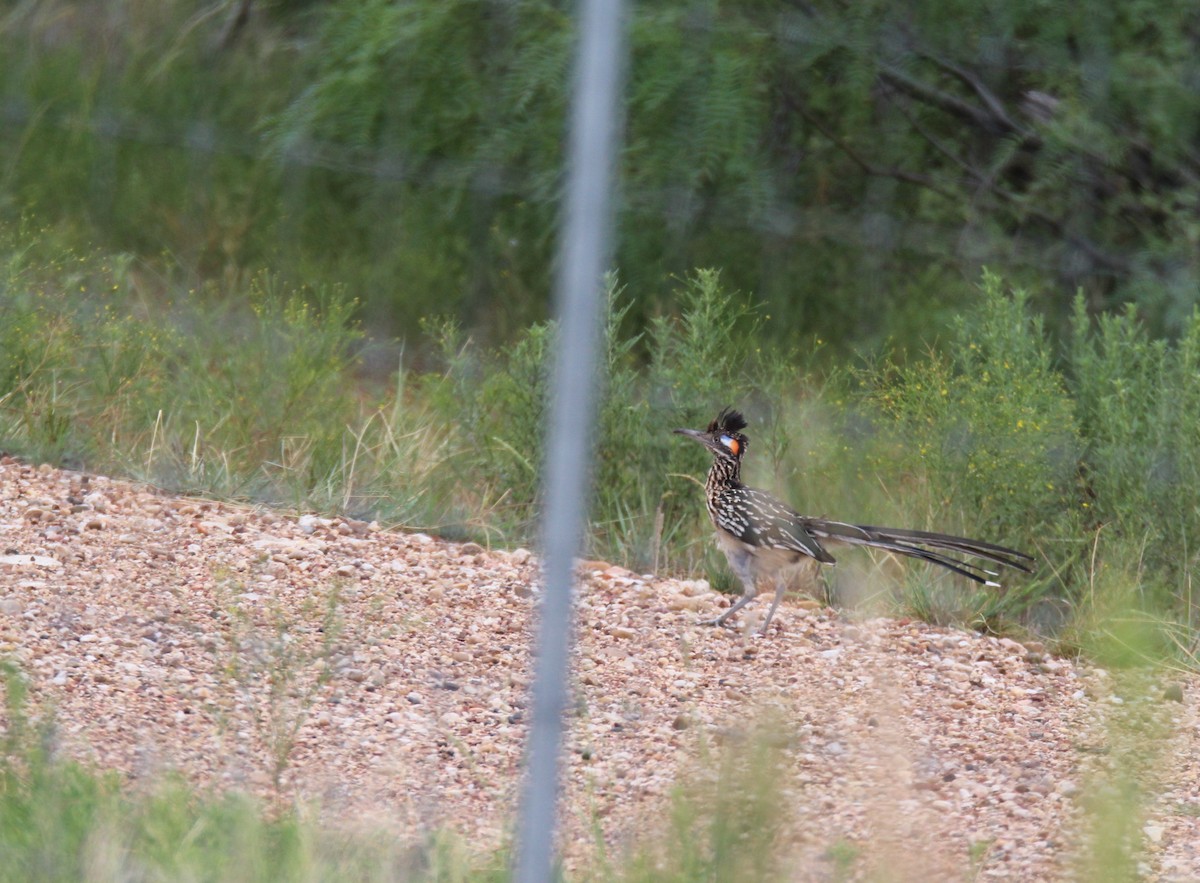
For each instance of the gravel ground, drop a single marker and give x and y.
(382, 676)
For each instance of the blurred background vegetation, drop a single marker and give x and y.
(852, 165)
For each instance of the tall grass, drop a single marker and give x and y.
(249, 394)
(1139, 406)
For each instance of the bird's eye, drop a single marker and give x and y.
(731, 443)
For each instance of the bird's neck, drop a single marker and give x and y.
(723, 473)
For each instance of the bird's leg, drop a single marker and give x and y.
(781, 584)
(741, 602)
(742, 564)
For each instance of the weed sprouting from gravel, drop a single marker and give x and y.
(276, 659)
(727, 819)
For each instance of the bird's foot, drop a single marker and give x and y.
(716, 620)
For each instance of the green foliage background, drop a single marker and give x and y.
(851, 166)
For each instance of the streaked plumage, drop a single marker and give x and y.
(763, 537)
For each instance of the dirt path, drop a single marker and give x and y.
(384, 675)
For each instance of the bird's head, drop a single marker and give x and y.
(724, 436)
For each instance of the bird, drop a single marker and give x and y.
(763, 537)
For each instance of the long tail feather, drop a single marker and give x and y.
(920, 544)
(980, 548)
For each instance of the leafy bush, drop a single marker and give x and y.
(977, 437)
(987, 420)
(1138, 402)
(850, 179)
(1095, 468)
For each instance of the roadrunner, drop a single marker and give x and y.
(763, 537)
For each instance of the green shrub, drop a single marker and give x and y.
(1095, 471)
(268, 383)
(987, 420)
(679, 373)
(1139, 407)
(217, 397)
(979, 437)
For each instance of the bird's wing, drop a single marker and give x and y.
(759, 519)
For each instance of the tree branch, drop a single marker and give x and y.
(1111, 262)
(944, 100)
(993, 103)
(866, 165)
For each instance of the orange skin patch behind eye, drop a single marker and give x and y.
(733, 446)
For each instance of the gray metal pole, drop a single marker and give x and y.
(582, 260)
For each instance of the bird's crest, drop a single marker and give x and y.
(728, 421)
